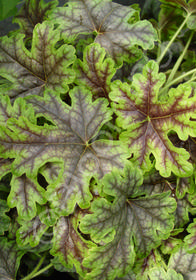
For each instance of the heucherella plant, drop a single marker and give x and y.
(98, 141)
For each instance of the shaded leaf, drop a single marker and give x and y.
(131, 220)
(182, 212)
(72, 137)
(24, 194)
(10, 256)
(42, 67)
(31, 13)
(189, 7)
(5, 220)
(148, 120)
(109, 21)
(169, 21)
(184, 263)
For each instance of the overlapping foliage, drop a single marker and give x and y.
(97, 142)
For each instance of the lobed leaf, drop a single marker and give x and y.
(72, 137)
(44, 66)
(148, 121)
(130, 221)
(109, 21)
(24, 194)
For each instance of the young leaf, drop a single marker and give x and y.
(68, 244)
(109, 21)
(42, 67)
(25, 192)
(5, 220)
(10, 256)
(95, 71)
(148, 120)
(31, 13)
(130, 220)
(72, 137)
(30, 232)
(182, 212)
(184, 263)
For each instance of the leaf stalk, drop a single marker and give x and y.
(173, 39)
(36, 270)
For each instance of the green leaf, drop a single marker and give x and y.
(184, 263)
(8, 9)
(73, 136)
(10, 256)
(131, 220)
(69, 245)
(95, 71)
(24, 194)
(44, 66)
(5, 220)
(109, 22)
(148, 120)
(30, 232)
(32, 13)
